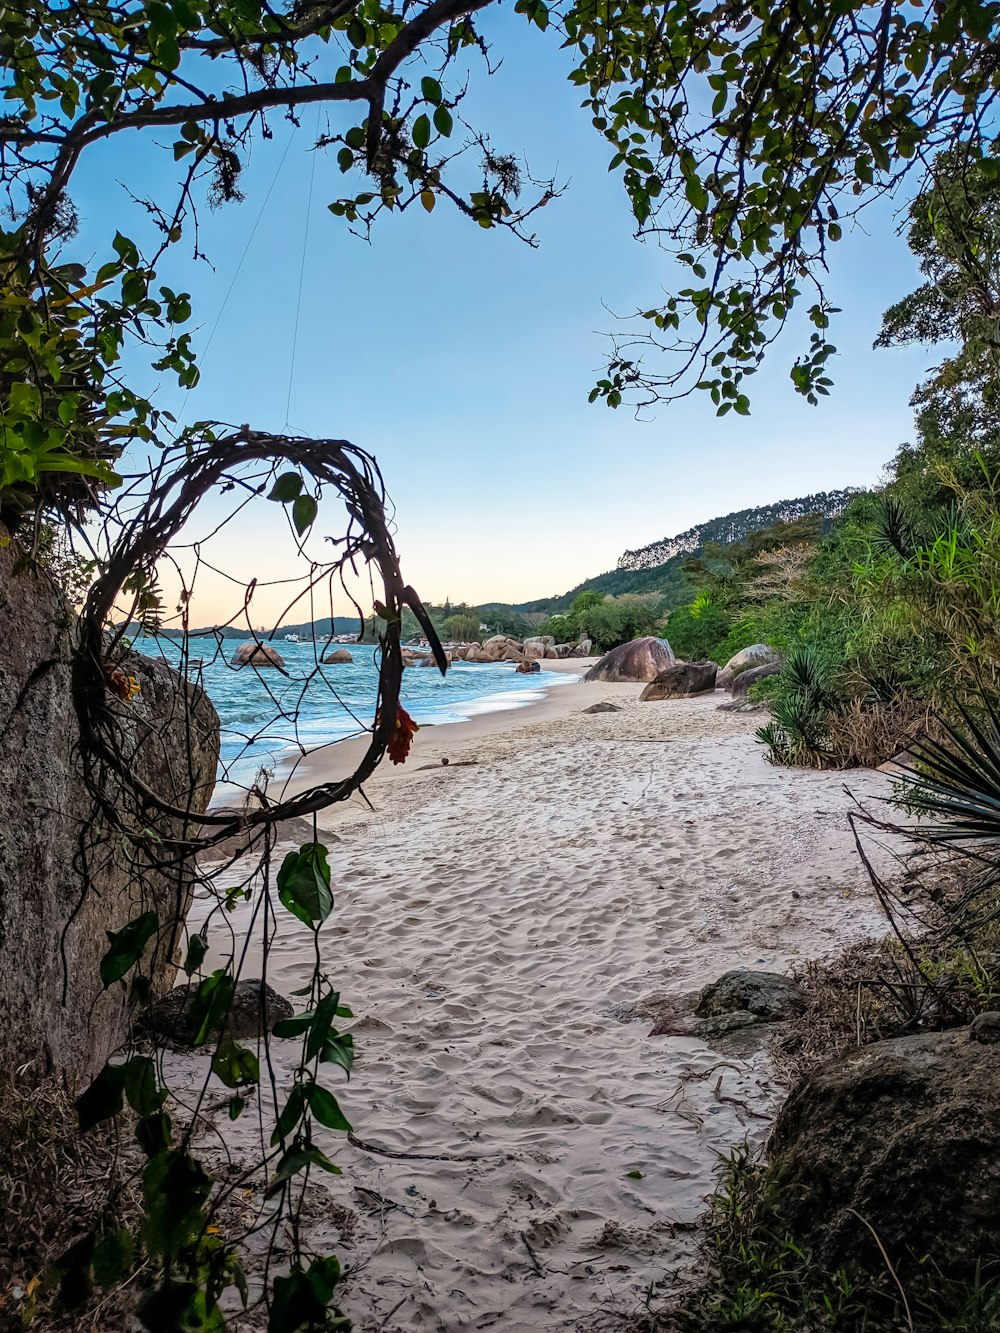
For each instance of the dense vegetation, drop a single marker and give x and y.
(894, 614)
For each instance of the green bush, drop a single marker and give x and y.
(615, 621)
(696, 631)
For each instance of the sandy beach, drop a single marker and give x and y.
(526, 1155)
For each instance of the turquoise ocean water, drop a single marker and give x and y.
(322, 704)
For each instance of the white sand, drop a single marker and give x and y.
(492, 920)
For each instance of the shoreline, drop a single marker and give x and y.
(456, 742)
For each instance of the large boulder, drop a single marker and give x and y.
(582, 649)
(495, 648)
(255, 1008)
(756, 655)
(681, 681)
(904, 1134)
(258, 655)
(535, 644)
(745, 679)
(67, 876)
(740, 1009)
(767, 995)
(641, 659)
(529, 666)
(339, 657)
(478, 652)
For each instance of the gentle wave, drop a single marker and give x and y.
(268, 718)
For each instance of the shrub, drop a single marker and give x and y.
(696, 631)
(800, 706)
(617, 620)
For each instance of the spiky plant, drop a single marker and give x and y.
(956, 780)
(893, 529)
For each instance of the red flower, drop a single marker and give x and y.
(120, 683)
(402, 735)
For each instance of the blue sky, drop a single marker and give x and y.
(462, 358)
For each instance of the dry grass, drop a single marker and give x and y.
(55, 1186)
(865, 735)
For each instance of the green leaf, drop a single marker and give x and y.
(235, 1065)
(290, 1115)
(153, 1133)
(326, 1108)
(103, 1099)
(633, 1175)
(236, 1105)
(304, 512)
(299, 1159)
(287, 487)
(301, 1299)
(127, 945)
(113, 1257)
(196, 950)
(321, 1026)
(304, 884)
(25, 399)
(211, 1003)
(339, 1051)
(697, 195)
(421, 131)
(144, 1095)
(174, 1187)
(443, 121)
(431, 89)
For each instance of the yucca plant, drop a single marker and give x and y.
(799, 711)
(956, 779)
(893, 529)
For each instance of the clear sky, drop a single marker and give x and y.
(462, 358)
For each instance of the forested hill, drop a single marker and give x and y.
(657, 568)
(735, 527)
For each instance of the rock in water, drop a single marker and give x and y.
(255, 1007)
(906, 1135)
(528, 667)
(60, 1019)
(257, 655)
(681, 681)
(641, 659)
(339, 657)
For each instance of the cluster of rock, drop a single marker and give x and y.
(747, 667)
(504, 648)
(652, 660)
